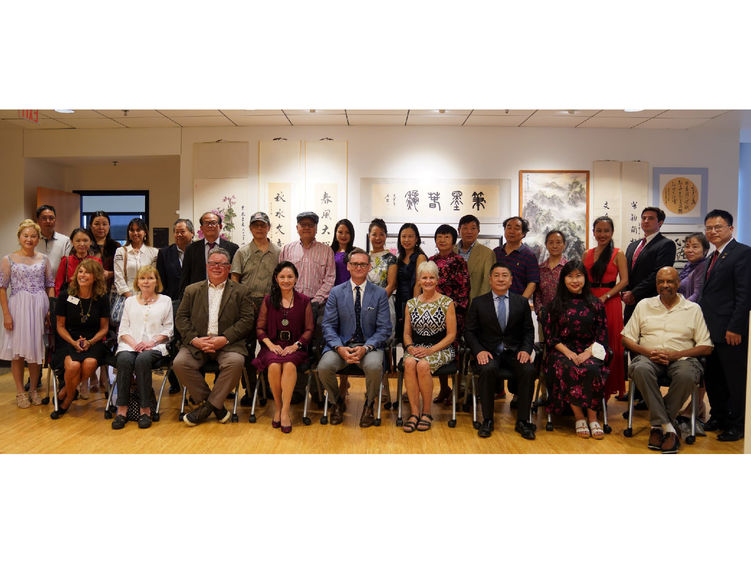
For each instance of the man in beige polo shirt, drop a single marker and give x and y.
(668, 332)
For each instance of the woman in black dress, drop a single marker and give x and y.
(410, 257)
(82, 322)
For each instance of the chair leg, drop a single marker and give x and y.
(377, 421)
(255, 397)
(605, 426)
(399, 386)
(629, 431)
(237, 394)
(305, 417)
(182, 404)
(155, 415)
(690, 439)
(455, 382)
(325, 417)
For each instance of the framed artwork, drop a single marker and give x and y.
(555, 200)
(681, 193)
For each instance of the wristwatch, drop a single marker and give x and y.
(369, 348)
(299, 345)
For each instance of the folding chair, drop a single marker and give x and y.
(352, 370)
(212, 366)
(451, 369)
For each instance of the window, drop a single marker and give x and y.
(120, 205)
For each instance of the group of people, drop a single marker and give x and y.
(224, 302)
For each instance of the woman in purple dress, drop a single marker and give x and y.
(344, 241)
(285, 326)
(25, 306)
(576, 334)
(692, 275)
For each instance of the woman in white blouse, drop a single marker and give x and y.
(145, 330)
(130, 258)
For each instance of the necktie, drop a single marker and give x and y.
(358, 336)
(501, 319)
(715, 254)
(211, 245)
(639, 248)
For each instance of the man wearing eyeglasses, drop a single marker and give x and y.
(214, 319)
(725, 302)
(356, 324)
(197, 254)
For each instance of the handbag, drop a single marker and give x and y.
(117, 304)
(134, 404)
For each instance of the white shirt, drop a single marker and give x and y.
(354, 291)
(55, 248)
(124, 277)
(215, 301)
(146, 322)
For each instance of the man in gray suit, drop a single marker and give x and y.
(214, 318)
(356, 325)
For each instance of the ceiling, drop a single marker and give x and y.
(118, 119)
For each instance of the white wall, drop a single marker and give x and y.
(11, 187)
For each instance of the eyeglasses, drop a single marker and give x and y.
(709, 229)
(211, 224)
(218, 264)
(360, 265)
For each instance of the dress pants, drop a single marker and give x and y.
(140, 362)
(371, 364)
(523, 375)
(726, 384)
(683, 374)
(188, 372)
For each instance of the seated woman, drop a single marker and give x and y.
(145, 330)
(82, 322)
(576, 334)
(285, 326)
(429, 332)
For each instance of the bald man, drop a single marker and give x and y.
(668, 333)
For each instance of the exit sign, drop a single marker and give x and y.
(30, 114)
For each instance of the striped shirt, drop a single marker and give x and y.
(316, 267)
(523, 265)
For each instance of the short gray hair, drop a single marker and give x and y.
(427, 267)
(220, 250)
(188, 224)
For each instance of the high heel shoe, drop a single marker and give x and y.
(54, 415)
(276, 424)
(286, 429)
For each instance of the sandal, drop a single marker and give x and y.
(22, 400)
(36, 400)
(582, 430)
(424, 425)
(596, 429)
(410, 425)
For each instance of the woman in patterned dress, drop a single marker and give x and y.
(429, 332)
(576, 334)
(29, 275)
(453, 282)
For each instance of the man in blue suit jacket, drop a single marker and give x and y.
(353, 340)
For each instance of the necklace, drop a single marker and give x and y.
(85, 316)
(285, 310)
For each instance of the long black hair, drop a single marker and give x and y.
(276, 291)
(141, 224)
(563, 295)
(418, 240)
(74, 232)
(350, 227)
(599, 267)
(110, 245)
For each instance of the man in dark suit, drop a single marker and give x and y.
(644, 257)
(169, 264)
(214, 319)
(197, 254)
(500, 334)
(725, 302)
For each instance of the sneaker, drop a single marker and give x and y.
(222, 415)
(199, 415)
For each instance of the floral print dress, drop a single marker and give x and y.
(453, 282)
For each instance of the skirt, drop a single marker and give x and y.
(26, 340)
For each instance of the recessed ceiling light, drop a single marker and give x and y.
(65, 111)
(632, 110)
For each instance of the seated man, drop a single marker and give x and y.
(667, 332)
(499, 332)
(214, 318)
(356, 325)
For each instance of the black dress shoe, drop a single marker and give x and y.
(119, 422)
(486, 428)
(713, 425)
(173, 389)
(54, 415)
(246, 401)
(144, 421)
(730, 435)
(641, 406)
(526, 429)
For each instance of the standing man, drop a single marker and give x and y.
(54, 245)
(725, 302)
(644, 257)
(518, 257)
(169, 264)
(667, 332)
(315, 264)
(214, 319)
(197, 254)
(253, 266)
(356, 325)
(500, 333)
(479, 258)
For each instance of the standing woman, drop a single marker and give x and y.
(103, 246)
(80, 240)
(453, 282)
(82, 322)
(410, 257)
(29, 275)
(145, 329)
(692, 275)
(285, 326)
(608, 275)
(128, 260)
(344, 237)
(576, 333)
(550, 271)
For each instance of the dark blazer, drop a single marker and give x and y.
(339, 320)
(236, 316)
(726, 296)
(194, 262)
(169, 268)
(482, 331)
(642, 276)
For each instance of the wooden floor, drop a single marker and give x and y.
(84, 430)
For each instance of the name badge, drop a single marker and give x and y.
(73, 299)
